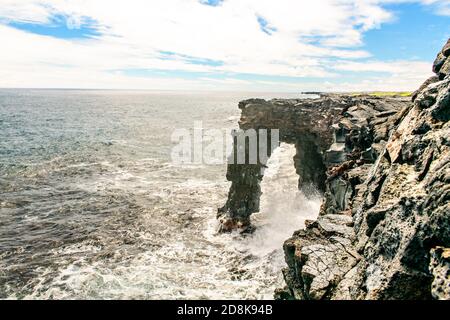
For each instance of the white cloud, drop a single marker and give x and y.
(134, 32)
(441, 7)
(396, 68)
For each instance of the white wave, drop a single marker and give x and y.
(284, 208)
(176, 253)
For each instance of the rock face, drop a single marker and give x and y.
(441, 65)
(399, 208)
(305, 123)
(383, 165)
(323, 259)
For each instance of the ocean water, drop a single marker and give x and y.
(91, 206)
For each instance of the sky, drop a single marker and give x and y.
(233, 45)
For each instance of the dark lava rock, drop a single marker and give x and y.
(383, 165)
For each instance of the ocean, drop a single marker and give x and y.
(92, 207)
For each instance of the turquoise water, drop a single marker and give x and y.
(91, 206)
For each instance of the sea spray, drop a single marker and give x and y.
(284, 208)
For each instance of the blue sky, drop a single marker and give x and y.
(415, 33)
(58, 26)
(245, 45)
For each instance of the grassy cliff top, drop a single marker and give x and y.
(383, 93)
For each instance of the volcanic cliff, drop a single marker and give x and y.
(383, 166)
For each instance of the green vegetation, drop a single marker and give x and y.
(383, 93)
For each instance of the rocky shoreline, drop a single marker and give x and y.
(383, 166)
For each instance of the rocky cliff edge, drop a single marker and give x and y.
(384, 227)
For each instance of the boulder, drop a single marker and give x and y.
(439, 62)
(427, 82)
(445, 69)
(446, 49)
(440, 268)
